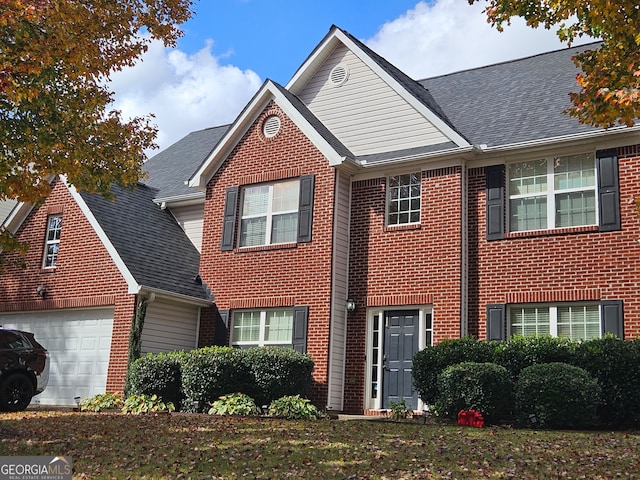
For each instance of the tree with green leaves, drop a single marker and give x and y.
(610, 73)
(56, 58)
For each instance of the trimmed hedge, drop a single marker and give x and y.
(484, 387)
(193, 380)
(613, 362)
(556, 395)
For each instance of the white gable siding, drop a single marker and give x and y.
(190, 218)
(365, 113)
(5, 209)
(170, 326)
(338, 331)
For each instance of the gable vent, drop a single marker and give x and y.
(271, 126)
(339, 75)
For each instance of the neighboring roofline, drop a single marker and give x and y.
(327, 45)
(268, 92)
(17, 216)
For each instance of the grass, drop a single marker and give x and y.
(171, 446)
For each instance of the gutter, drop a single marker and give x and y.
(180, 200)
(441, 154)
(157, 292)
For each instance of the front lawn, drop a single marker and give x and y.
(179, 445)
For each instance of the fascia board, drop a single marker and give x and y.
(132, 285)
(268, 92)
(314, 60)
(159, 293)
(17, 216)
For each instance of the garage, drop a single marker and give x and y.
(79, 343)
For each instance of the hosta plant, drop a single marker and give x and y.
(137, 404)
(101, 401)
(293, 407)
(234, 404)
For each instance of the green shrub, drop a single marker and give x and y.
(210, 372)
(101, 401)
(484, 387)
(429, 362)
(521, 352)
(615, 363)
(137, 404)
(157, 374)
(277, 372)
(293, 407)
(234, 404)
(556, 395)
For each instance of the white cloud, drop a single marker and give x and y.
(184, 92)
(450, 35)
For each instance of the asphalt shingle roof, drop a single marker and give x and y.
(511, 102)
(152, 245)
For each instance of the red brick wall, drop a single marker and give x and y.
(572, 265)
(84, 276)
(399, 266)
(298, 274)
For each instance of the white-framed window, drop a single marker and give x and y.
(552, 193)
(259, 328)
(576, 321)
(269, 213)
(52, 241)
(404, 199)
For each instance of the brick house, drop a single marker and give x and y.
(356, 215)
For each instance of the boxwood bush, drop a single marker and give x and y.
(556, 395)
(484, 387)
(429, 362)
(158, 374)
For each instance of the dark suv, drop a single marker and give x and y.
(24, 369)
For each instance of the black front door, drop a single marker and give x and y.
(400, 345)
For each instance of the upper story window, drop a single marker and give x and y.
(269, 213)
(552, 193)
(404, 199)
(52, 242)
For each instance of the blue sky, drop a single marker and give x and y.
(231, 47)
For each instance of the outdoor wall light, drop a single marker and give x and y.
(351, 305)
(41, 291)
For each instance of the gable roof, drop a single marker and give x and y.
(153, 249)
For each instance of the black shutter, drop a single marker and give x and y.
(496, 320)
(608, 190)
(305, 208)
(229, 221)
(612, 317)
(300, 320)
(222, 327)
(494, 177)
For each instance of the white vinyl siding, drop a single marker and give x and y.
(170, 326)
(365, 113)
(338, 331)
(5, 208)
(190, 218)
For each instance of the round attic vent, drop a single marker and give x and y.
(271, 126)
(339, 75)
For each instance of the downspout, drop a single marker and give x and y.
(464, 251)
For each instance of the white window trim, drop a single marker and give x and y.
(269, 214)
(388, 199)
(423, 310)
(553, 314)
(263, 322)
(551, 192)
(48, 242)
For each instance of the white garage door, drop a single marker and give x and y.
(78, 341)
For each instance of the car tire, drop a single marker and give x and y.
(16, 391)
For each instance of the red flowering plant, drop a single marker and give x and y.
(470, 418)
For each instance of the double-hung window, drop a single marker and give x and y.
(404, 199)
(552, 193)
(259, 328)
(52, 241)
(576, 321)
(269, 213)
